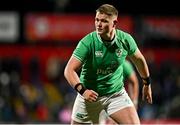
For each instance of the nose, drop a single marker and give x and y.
(99, 23)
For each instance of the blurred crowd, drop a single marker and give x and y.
(34, 101)
(166, 92)
(50, 101)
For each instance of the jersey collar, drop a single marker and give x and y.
(114, 41)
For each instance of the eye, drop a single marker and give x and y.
(105, 21)
(96, 19)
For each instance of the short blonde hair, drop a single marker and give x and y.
(108, 9)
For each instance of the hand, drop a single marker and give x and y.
(90, 95)
(147, 93)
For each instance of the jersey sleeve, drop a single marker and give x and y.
(131, 45)
(127, 69)
(81, 51)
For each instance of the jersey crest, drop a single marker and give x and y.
(118, 52)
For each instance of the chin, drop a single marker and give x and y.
(99, 32)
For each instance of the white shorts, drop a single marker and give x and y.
(88, 112)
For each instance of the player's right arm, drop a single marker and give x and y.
(70, 71)
(72, 77)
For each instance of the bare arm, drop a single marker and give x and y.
(139, 61)
(72, 77)
(70, 71)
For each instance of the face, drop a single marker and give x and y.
(104, 24)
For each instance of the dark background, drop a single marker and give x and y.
(32, 85)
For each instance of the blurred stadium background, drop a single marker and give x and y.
(37, 38)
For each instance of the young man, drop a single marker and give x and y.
(100, 86)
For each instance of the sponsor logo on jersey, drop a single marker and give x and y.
(109, 69)
(99, 54)
(104, 71)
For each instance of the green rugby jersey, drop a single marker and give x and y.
(127, 69)
(102, 69)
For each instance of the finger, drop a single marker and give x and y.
(95, 93)
(94, 96)
(149, 99)
(93, 99)
(89, 100)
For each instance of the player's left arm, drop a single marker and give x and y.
(140, 63)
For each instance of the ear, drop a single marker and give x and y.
(115, 23)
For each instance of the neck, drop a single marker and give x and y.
(109, 37)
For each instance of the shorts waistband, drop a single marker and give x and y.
(114, 94)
